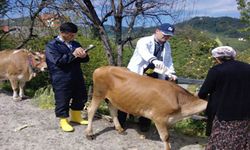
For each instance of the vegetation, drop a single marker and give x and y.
(244, 8)
(227, 26)
(3, 7)
(191, 127)
(44, 98)
(227, 29)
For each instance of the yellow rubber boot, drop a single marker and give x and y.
(77, 118)
(65, 125)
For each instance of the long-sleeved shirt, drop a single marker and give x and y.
(228, 85)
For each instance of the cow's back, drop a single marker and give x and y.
(13, 63)
(134, 93)
(4, 61)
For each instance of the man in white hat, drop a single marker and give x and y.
(228, 86)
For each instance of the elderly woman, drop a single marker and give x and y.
(228, 86)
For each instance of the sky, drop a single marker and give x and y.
(211, 8)
(215, 8)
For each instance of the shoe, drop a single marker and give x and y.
(66, 127)
(77, 118)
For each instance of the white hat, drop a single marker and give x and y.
(223, 51)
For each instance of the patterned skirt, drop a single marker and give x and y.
(229, 135)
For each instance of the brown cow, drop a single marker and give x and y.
(161, 101)
(20, 66)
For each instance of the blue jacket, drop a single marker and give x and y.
(64, 69)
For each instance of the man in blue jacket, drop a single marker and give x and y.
(63, 57)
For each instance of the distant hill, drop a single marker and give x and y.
(220, 26)
(227, 29)
(226, 26)
(15, 22)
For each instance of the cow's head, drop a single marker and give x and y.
(37, 61)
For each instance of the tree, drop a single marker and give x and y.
(244, 8)
(34, 8)
(123, 13)
(3, 7)
(28, 12)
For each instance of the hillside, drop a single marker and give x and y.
(226, 29)
(226, 26)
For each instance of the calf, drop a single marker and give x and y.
(20, 66)
(161, 101)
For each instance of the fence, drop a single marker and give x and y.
(182, 80)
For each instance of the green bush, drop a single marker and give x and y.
(38, 44)
(191, 127)
(244, 55)
(44, 98)
(6, 86)
(97, 58)
(7, 43)
(40, 81)
(192, 57)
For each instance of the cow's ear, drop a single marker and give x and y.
(32, 52)
(42, 51)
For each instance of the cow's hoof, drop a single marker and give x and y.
(17, 99)
(123, 133)
(120, 129)
(142, 136)
(90, 137)
(24, 97)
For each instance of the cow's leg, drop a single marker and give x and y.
(21, 89)
(187, 110)
(95, 102)
(163, 132)
(194, 107)
(14, 86)
(113, 113)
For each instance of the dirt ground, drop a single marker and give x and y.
(26, 127)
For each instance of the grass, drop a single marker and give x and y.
(5, 85)
(233, 42)
(44, 98)
(191, 127)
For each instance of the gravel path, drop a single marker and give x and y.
(26, 127)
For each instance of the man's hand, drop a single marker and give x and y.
(162, 69)
(80, 52)
(172, 77)
(166, 71)
(159, 64)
